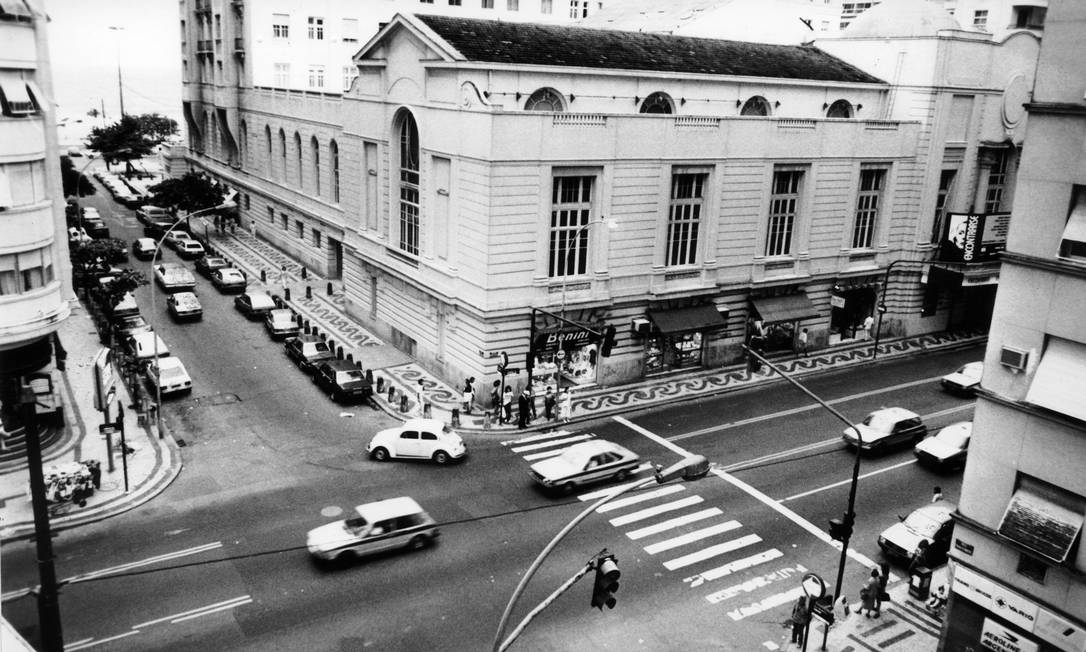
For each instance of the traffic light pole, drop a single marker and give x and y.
(589, 567)
(850, 513)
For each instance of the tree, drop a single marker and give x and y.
(93, 259)
(131, 137)
(111, 293)
(70, 176)
(189, 193)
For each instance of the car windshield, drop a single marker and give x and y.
(922, 523)
(355, 523)
(349, 376)
(171, 373)
(320, 347)
(973, 369)
(573, 457)
(879, 421)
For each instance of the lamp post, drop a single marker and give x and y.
(881, 307)
(569, 248)
(689, 468)
(154, 313)
(120, 85)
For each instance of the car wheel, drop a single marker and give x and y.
(419, 542)
(345, 557)
(441, 457)
(335, 397)
(380, 454)
(622, 475)
(569, 488)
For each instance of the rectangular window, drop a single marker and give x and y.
(867, 207)
(1057, 384)
(946, 182)
(316, 76)
(684, 218)
(980, 19)
(454, 3)
(1029, 17)
(427, 2)
(300, 228)
(271, 214)
(488, 4)
(997, 182)
(783, 207)
(512, 5)
(349, 75)
(8, 283)
(316, 28)
(22, 184)
(571, 213)
(280, 25)
(350, 30)
(282, 75)
(316, 238)
(546, 6)
(286, 223)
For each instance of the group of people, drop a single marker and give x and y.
(557, 406)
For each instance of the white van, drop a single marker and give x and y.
(142, 346)
(373, 528)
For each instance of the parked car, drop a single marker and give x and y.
(965, 380)
(424, 439)
(931, 524)
(174, 277)
(372, 528)
(947, 448)
(254, 304)
(184, 305)
(307, 351)
(584, 463)
(229, 279)
(91, 213)
(209, 264)
(169, 374)
(148, 213)
(145, 346)
(886, 428)
(126, 326)
(174, 237)
(189, 249)
(157, 228)
(96, 228)
(143, 248)
(343, 381)
(281, 323)
(126, 307)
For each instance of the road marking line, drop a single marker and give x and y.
(690, 537)
(787, 574)
(849, 481)
(244, 599)
(653, 436)
(712, 551)
(640, 498)
(733, 566)
(548, 444)
(539, 437)
(82, 645)
(674, 523)
(143, 562)
(653, 511)
(617, 487)
(544, 455)
(764, 605)
(207, 612)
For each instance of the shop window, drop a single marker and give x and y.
(1073, 241)
(571, 215)
(673, 351)
(755, 106)
(684, 218)
(946, 182)
(783, 207)
(409, 183)
(839, 109)
(545, 99)
(658, 103)
(867, 207)
(1032, 568)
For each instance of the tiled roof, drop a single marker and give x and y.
(558, 45)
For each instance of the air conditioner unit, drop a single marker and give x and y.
(1013, 358)
(640, 327)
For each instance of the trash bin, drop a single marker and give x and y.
(920, 583)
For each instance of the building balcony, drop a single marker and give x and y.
(239, 46)
(204, 47)
(31, 315)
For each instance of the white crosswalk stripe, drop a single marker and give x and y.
(540, 437)
(696, 535)
(548, 444)
(673, 523)
(712, 551)
(533, 457)
(653, 511)
(641, 498)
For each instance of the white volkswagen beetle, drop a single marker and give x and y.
(423, 439)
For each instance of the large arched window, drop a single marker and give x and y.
(315, 148)
(407, 132)
(545, 99)
(756, 105)
(839, 109)
(298, 155)
(282, 155)
(658, 103)
(243, 143)
(268, 153)
(333, 153)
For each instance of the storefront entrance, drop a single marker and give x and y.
(778, 318)
(563, 357)
(850, 310)
(679, 336)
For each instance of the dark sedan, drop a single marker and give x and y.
(343, 381)
(308, 351)
(254, 305)
(209, 264)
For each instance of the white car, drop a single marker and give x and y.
(932, 524)
(886, 428)
(946, 449)
(965, 380)
(76, 234)
(424, 439)
(169, 374)
(373, 528)
(90, 212)
(174, 237)
(184, 305)
(189, 249)
(174, 277)
(584, 463)
(144, 346)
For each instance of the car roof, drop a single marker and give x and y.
(179, 297)
(340, 365)
(223, 271)
(146, 241)
(937, 511)
(170, 362)
(260, 298)
(594, 447)
(896, 413)
(302, 339)
(191, 243)
(281, 312)
(390, 508)
(423, 424)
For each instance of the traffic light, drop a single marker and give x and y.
(608, 341)
(841, 528)
(606, 583)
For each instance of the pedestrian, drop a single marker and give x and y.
(565, 405)
(919, 557)
(469, 394)
(548, 404)
(532, 410)
(507, 404)
(936, 494)
(803, 342)
(523, 409)
(496, 399)
(801, 615)
(420, 398)
(869, 595)
(869, 322)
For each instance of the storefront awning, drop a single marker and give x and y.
(792, 307)
(682, 320)
(1061, 374)
(1038, 519)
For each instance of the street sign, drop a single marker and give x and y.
(105, 382)
(882, 307)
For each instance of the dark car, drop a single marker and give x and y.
(308, 351)
(209, 264)
(128, 325)
(157, 228)
(343, 381)
(254, 305)
(229, 280)
(96, 229)
(143, 248)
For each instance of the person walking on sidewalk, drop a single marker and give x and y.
(565, 405)
(523, 410)
(801, 615)
(469, 394)
(869, 595)
(496, 400)
(532, 412)
(549, 404)
(802, 343)
(507, 404)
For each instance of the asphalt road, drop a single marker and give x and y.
(218, 560)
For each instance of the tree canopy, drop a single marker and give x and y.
(189, 193)
(131, 137)
(69, 176)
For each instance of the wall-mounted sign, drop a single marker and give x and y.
(562, 338)
(995, 598)
(963, 547)
(994, 636)
(974, 237)
(837, 301)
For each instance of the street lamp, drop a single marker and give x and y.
(154, 313)
(120, 85)
(569, 249)
(689, 468)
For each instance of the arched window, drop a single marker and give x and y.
(243, 142)
(315, 146)
(333, 151)
(658, 103)
(839, 109)
(298, 155)
(408, 135)
(283, 155)
(545, 99)
(756, 105)
(268, 146)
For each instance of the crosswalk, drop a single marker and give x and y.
(688, 536)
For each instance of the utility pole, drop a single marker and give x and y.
(120, 84)
(48, 603)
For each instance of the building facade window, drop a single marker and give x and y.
(282, 74)
(756, 106)
(980, 19)
(488, 4)
(783, 209)
(454, 3)
(282, 156)
(243, 143)
(316, 238)
(285, 221)
(512, 5)
(316, 28)
(868, 198)
(350, 30)
(333, 152)
(997, 182)
(657, 103)
(545, 99)
(571, 213)
(298, 158)
(946, 182)
(271, 215)
(546, 7)
(25, 271)
(350, 73)
(299, 228)
(22, 184)
(409, 184)
(684, 218)
(281, 26)
(578, 8)
(839, 109)
(316, 76)
(315, 150)
(268, 151)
